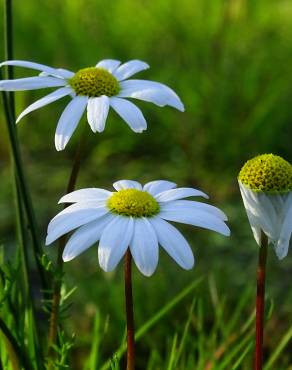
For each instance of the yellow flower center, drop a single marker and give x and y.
(267, 173)
(95, 82)
(133, 202)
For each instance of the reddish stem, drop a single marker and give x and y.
(129, 312)
(53, 327)
(260, 302)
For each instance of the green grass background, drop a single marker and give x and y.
(230, 62)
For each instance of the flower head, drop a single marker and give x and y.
(136, 217)
(266, 187)
(94, 89)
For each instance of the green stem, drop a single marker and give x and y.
(8, 29)
(17, 351)
(33, 334)
(9, 109)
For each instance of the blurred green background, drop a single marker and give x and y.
(230, 62)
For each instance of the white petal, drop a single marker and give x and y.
(69, 121)
(58, 72)
(97, 111)
(50, 98)
(284, 241)
(84, 195)
(65, 73)
(195, 217)
(72, 217)
(31, 83)
(114, 242)
(127, 184)
(144, 246)
(192, 206)
(261, 214)
(85, 237)
(173, 242)
(128, 69)
(158, 186)
(153, 92)
(109, 64)
(129, 113)
(179, 193)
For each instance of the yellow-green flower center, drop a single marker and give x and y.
(133, 202)
(267, 173)
(94, 82)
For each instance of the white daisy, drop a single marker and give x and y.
(266, 187)
(95, 89)
(134, 217)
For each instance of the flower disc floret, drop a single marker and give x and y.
(133, 202)
(267, 173)
(94, 82)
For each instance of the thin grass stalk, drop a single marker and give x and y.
(20, 355)
(129, 312)
(56, 297)
(33, 333)
(155, 319)
(8, 44)
(260, 302)
(9, 110)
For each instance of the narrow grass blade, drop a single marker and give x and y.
(155, 318)
(283, 343)
(17, 355)
(94, 353)
(172, 353)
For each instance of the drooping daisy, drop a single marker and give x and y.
(95, 89)
(266, 187)
(136, 217)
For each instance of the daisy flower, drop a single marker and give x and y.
(136, 217)
(266, 187)
(94, 89)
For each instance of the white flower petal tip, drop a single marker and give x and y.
(69, 121)
(180, 193)
(85, 195)
(130, 68)
(109, 64)
(270, 214)
(132, 217)
(97, 112)
(58, 72)
(153, 92)
(56, 95)
(127, 184)
(47, 241)
(130, 113)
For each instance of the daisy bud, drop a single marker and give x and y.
(265, 184)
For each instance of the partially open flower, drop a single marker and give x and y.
(266, 187)
(94, 89)
(134, 217)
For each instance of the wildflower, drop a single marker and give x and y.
(136, 217)
(266, 187)
(95, 89)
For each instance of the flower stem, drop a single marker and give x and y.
(260, 301)
(129, 312)
(9, 110)
(53, 329)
